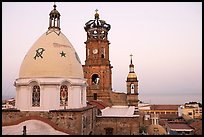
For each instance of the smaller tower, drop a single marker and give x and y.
(54, 21)
(132, 86)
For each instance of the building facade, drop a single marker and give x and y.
(55, 94)
(98, 70)
(51, 88)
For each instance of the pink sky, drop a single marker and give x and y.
(164, 38)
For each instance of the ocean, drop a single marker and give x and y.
(170, 99)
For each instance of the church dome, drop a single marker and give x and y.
(52, 55)
(131, 75)
(156, 130)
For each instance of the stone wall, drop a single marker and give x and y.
(118, 98)
(120, 125)
(71, 121)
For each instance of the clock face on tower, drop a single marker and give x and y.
(95, 51)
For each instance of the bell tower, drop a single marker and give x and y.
(132, 86)
(97, 68)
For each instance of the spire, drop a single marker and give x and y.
(131, 58)
(131, 66)
(54, 20)
(132, 77)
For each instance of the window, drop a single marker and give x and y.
(36, 96)
(132, 88)
(95, 79)
(63, 95)
(95, 96)
(156, 131)
(102, 56)
(103, 53)
(109, 131)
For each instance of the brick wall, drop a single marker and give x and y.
(120, 125)
(118, 98)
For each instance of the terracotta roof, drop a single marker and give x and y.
(168, 116)
(179, 126)
(99, 104)
(164, 107)
(197, 126)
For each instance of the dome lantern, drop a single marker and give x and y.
(54, 20)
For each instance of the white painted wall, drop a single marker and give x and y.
(50, 94)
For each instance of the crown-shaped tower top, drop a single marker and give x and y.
(97, 29)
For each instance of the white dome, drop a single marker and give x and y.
(52, 55)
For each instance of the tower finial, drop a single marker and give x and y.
(131, 66)
(96, 14)
(131, 58)
(54, 5)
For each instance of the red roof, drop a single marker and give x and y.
(99, 104)
(168, 116)
(164, 107)
(197, 125)
(179, 126)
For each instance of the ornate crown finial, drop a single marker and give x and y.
(97, 29)
(96, 14)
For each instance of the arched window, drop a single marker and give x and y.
(95, 79)
(132, 86)
(36, 96)
(63, 95)
(102, 56)
(95, 96)
(103, 53)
